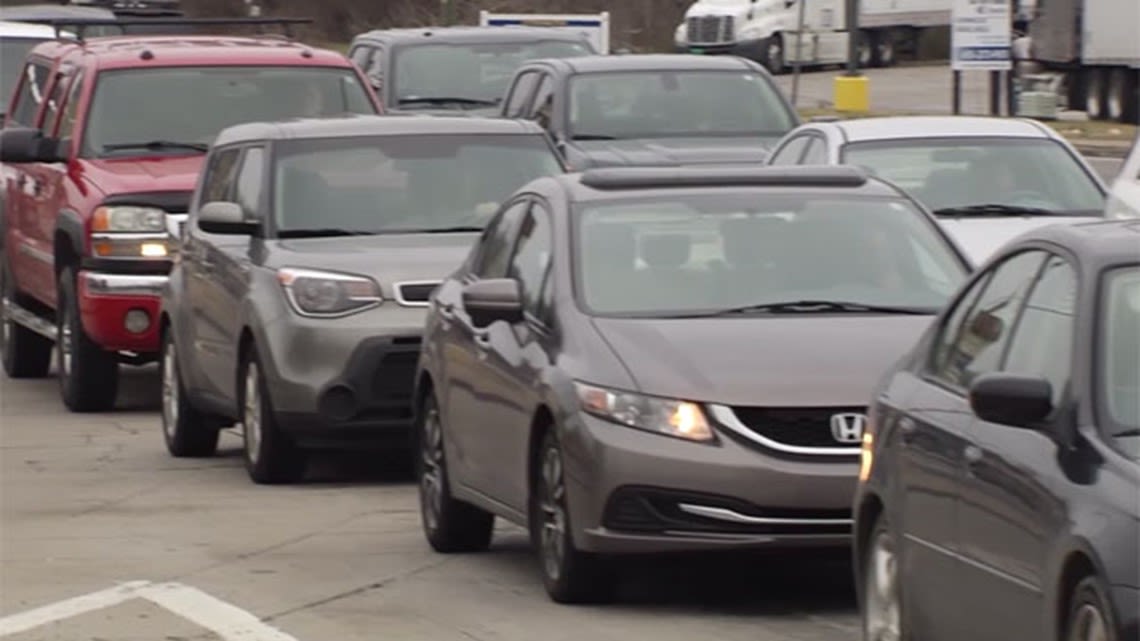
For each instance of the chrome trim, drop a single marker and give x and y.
(725, 514)
(98, 284)
(727, 418)
(175, 223)
(398, 290)
(38, 254)
(21, 316)
(130, 235)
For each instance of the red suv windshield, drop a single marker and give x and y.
(133, 109)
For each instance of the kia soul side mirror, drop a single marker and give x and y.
(26, 145)
(495, 299)
(1008, 399)
(219, 217)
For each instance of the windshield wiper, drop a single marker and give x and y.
(157, 145)
(591, 137)
(818, 307)
(317, 233)
(1126, 433)
(444, 100)
(458, 229)
(994, 209)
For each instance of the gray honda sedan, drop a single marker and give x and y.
(642, 360)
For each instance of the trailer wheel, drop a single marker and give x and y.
(886, 49)
(1096, 93)
(866, 49)
(1120, 105)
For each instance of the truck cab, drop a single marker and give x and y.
(102, 146)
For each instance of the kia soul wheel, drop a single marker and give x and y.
(449, 525)
(186, 431)
(270, 456)
(88, 375)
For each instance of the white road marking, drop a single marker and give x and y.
(71, 607)
(223, 619)
(228, 621)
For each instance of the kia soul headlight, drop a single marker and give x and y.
(671, 417)
(328, 294)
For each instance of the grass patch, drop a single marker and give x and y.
(1087, 131)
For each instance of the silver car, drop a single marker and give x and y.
(298, 301)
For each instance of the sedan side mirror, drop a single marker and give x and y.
(27, 145)
(219, 217)
(495, 299)
(1013, 400)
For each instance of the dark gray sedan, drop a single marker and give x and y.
(1000, 479)
(655, 360)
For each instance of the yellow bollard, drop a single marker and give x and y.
(852, 94)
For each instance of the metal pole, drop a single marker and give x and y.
(799, 47)
(1011, 93)
(957, 90)
(995, 93)
(852, 37)
(448, 12)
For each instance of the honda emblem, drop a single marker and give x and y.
(848, 428)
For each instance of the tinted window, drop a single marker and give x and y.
(13, 54)
(31, 94)
(520, 93)
(402, 183)
(739, 247)
(55, 103)
(645, 104)
(972, 171)
(532, 257)
(1047, 321)
(790, 153)
(494, 249)
(975, 346)
(941, 357)
(219, 176)
(249, 182)
(193, 104)
(70, 113)
(473, 71)
(1118, 358)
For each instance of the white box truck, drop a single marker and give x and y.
(766, 30)
(596, 26)
(1092, 49)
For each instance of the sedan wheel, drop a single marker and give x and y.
(882, 614)
(552, 504)
(1089, 616)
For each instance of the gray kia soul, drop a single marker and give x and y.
(298, 301)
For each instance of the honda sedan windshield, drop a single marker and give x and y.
(401, 184)
(189, 106)
(476, 72)
(654, 104)
(721, 252)
(1119, 357)
(948, 174)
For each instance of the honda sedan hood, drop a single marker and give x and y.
(713, 150)
(791, 360)
(981, 237)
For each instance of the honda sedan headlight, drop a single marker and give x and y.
(671, 417)
(324, 294)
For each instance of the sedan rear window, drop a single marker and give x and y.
(947, 173)
(402, 183)
(697, 253)
(191, 105)
(1119, 358)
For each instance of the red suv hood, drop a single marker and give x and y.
(156, 173)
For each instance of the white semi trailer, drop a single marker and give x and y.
(1092, 49)
(766, 30)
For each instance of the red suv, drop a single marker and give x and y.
(101, 149)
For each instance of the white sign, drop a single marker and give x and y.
(595, 26)
(981, 35)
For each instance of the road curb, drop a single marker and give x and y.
(1095, 150)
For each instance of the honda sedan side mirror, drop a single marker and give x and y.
(1013, 400)
(495, 299)
(219, 217)
(27, 145)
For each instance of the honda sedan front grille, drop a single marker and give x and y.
(797, 430)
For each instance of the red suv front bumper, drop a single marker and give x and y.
(120, 312)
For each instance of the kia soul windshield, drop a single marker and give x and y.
(754, 253)
(401, 184)
(184, 108)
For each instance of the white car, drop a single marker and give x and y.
(986, 179)
(16, 40)
(1124, 200)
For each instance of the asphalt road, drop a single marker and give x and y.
(181, 550)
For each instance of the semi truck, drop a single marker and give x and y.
(1091, 50)
(766, 30)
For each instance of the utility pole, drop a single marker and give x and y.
(852, 37)
(851, 89)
